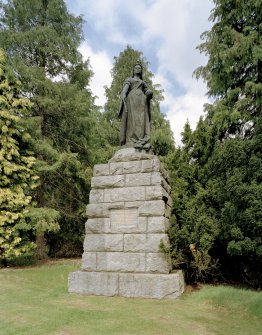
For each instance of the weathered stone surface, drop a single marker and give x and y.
(168, 212)
(115, 205)
(89, 261)
(97, 210)
(166, 186)
(132, 167)
(157, 263)
(96, 196)
(127, 221)
(125, 262)
(133, 204)
(124, 194)
(155, 192)
(130, 154)
(121, 261)
(101, 210)
(141, 166)
(101, 170)
(128, 213)
(152, 208)
(97, 225)
(120, 221)
(156, 178)
(138, 179)
(122, 218)
(151, 165)
(158, 286)
(103, 242)
(116, 168)
(143, 242)
(157, 224)
(93, 283)
(164, 172)
(108, 181)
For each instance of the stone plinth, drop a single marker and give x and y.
(131, 285)
(128, 215)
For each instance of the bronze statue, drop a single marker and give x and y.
(135, 111)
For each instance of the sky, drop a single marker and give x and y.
(167, 32)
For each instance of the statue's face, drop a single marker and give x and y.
(137, 69)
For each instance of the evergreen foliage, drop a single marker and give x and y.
(217, 184)
(17, 168)
(41, 40)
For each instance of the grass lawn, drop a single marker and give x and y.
(34, 300)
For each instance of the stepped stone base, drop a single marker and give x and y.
(132, 285)
(128, 216)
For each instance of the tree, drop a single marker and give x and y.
(193, 228)
(234, 77)
(161, 136)
(234, 69)
(41, 40)
(17, 167)
(223, 152)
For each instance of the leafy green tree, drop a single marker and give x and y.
(41, 40)
(17, 167)
(161, 136)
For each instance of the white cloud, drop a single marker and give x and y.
(180, 108)
(106, 16)
(183, 108)
(101, 65)
(179, 24)
(171, 30)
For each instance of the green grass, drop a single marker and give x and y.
(34, 301)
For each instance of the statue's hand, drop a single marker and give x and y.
(124, 103)
(149, 94)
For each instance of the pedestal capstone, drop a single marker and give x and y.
(128, 215)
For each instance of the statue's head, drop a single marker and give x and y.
(138, 69)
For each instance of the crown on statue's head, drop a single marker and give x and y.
(138, 62)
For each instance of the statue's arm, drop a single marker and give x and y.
(125, 89)
(148, 92)
(123, 96)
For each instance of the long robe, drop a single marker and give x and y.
(135, 113)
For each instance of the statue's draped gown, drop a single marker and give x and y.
(135, 113)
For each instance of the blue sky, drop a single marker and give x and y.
(166, 32)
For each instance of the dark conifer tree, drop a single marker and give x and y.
(223, 152)
(41, 39)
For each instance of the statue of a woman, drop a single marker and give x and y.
(135, 111)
